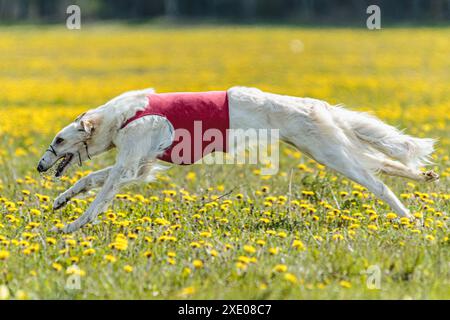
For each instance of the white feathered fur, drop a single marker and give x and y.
(411, 151)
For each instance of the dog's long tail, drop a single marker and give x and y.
(411, 151)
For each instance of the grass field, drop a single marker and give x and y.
(304, 233)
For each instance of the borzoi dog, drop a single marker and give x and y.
(142, 125)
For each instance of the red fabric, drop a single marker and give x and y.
(182, 109)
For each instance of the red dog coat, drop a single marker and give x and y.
(191, 115)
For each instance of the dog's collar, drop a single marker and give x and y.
(87, 153)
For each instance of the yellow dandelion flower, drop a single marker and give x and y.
(85, 244)
(214, 253)
(241, 266)
(75, 270)
(298, 245)
(260, 242)
(391, 216)
(161, 221)
(188, 291)
(191, 176)
(110, 258)
(57, 266)
(35, 212)
(205, 234)
(21, 295)
(50, 241)
(89, 252)
(4, 254)
(74, 259)
(249, 249)
(280, 268)
(290, 278)
(127, 268)
(198, 264)
(404, 221)
(282, 234)
(337, 237)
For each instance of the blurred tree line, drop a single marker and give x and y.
(291, 11)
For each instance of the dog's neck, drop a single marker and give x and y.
(113, 115)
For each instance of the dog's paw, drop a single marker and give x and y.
(96, 221)
(65, 229)
(430, 176)
(71, 227)
(60, 202)
(417, 222)
(56, 230)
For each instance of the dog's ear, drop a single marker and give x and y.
(88, 125)
(80, 116)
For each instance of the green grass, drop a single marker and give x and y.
(343, 230)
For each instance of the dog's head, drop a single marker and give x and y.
(71, 145)
(92, 133)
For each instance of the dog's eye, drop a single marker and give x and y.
(59, 140)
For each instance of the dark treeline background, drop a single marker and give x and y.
(289, 11)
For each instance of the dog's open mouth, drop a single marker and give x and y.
(63, 163)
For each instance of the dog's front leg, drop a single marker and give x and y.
(135, 161)
(93, 180)
(117, 177)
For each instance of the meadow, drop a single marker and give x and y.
(227, 231)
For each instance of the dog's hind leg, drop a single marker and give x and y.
(335, 155)
(93, 180)
(350, 167)
(327, 143)
(356, 172)
(398, 169)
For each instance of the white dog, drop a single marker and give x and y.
(354, 144)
